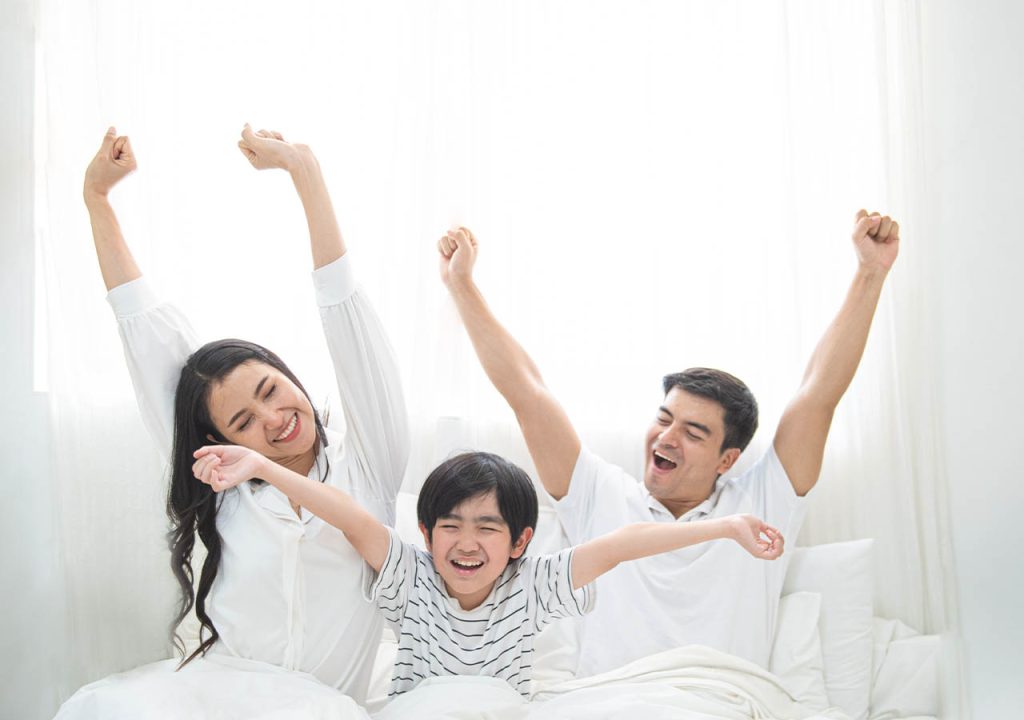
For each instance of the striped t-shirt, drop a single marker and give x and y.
(437, 637)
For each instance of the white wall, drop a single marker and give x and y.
(31, 624)
(975, 104)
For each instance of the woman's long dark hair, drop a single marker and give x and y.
(191, 504)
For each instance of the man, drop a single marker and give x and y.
(709, 594)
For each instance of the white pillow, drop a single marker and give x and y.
(906, 673)
(841, 573)
(796, 653)
(556, 649)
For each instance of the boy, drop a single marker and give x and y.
(472, 604)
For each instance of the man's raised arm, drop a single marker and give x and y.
(550, 437)
(803, 429)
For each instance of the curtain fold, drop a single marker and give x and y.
(655, 185)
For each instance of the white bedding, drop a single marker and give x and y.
(694, 682)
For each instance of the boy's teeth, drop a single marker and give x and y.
(468, 563)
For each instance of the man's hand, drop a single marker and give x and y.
(458, 255)
(113, 161)
(757, 537)
(876, 239)
(225, 466)
(268, 149)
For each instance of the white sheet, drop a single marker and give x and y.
(694, 682)
(210, 688)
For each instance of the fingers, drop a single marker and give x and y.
(884, 226)
(446, 246)
(467, 233)
(250, 155)
(866, 225)
(204, 468)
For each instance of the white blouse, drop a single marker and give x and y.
(289, 588)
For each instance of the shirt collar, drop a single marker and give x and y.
(699, 512)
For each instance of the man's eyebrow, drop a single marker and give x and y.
(256, 394)
(665, 410)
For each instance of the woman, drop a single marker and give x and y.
(278, 585)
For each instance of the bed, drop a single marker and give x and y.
(831, 659)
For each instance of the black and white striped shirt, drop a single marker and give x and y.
(437, 637)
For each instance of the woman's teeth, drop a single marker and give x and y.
(288, 430)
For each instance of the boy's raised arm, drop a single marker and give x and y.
(225, 466)
(631, 542)
(550, 436)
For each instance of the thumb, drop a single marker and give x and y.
(108, 139)
(247, 134)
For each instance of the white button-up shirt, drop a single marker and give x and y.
(714, 593)
(289, 588)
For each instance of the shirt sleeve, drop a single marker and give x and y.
(548, 584)
(390, 588)
(157, 340)
(772, 496)
(597, 489)
(368, 381)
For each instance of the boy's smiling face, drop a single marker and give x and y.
(471, 546)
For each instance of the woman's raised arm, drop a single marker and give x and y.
(113, 161)
(157, 338)
(267, 149)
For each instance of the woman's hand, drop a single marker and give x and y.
(757, 537)
(267, 149)
(458, 255)
(225, 466)
(113, 161)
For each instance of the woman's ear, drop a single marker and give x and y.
(519, 546)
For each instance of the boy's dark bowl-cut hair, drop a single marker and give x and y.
(470, 475)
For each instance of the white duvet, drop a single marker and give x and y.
(693, 682)
(687, 683)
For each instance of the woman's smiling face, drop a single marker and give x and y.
(471, 546)
(258, 407)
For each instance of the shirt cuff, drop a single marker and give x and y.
(132, 297)
(334, 282)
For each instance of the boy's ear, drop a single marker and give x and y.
(519, 546)
(426, 535)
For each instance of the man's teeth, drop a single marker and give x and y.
(661, 461)
(288, 430)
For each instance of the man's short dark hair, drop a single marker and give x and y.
(738, 403)
(470, 475)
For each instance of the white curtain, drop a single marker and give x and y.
(655, 185)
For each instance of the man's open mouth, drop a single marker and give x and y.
(662, 463)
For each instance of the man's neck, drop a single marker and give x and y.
(678, 508)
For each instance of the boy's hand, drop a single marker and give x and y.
(876, 239)
(225, 466)
(267, 149)
(113, 161)
(458, 255)
(757, 537)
